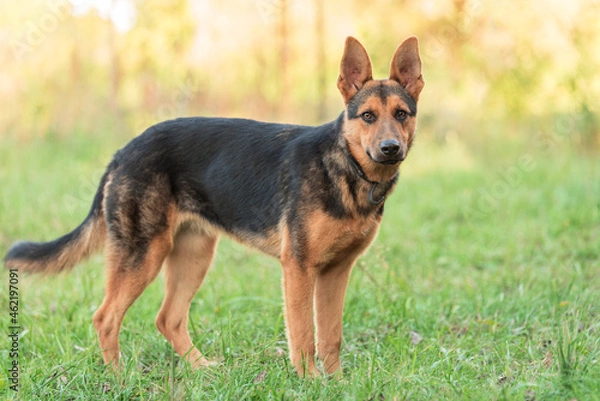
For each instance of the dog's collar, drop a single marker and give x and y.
(358, 169)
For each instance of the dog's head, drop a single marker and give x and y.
(380, 117)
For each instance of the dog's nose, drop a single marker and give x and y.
(389, 147)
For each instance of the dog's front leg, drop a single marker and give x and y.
(331, 284)
(298, 288)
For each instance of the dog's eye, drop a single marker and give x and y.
(368, 117)
(401, 115)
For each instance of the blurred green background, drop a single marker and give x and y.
(483, 282)
(510, 68)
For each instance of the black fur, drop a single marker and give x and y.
(236, 173)
(241, 175)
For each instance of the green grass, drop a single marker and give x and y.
(484, 283)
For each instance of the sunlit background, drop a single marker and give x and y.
(506, 67)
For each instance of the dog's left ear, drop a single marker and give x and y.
(406, 67)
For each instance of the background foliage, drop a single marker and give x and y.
(124, 64)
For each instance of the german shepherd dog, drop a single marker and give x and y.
(310, 196)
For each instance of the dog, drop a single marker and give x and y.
(313, 197)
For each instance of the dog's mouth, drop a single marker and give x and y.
(388, 161)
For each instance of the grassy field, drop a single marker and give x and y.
(484, 283)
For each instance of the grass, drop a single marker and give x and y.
(484, 283)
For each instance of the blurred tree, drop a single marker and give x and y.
(284, 57)
(156, 60)
(321, 111)
(582, 81)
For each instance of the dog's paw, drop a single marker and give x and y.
(204, 363)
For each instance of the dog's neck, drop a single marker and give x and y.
(377, 189)
(359, 171)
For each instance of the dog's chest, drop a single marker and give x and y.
(329, 240)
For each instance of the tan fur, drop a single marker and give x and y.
(330, 239)
(195, 223)
(186, 267)
(406, 67)
(361, 136)
(338, 243)
(333, 246)
(355, 69)
(330, 290)
(125, 283)
(269, 242)
(298, 285)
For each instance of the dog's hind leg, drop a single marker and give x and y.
(125, 283)
(186, 266)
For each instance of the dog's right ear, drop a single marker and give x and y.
(355, 69)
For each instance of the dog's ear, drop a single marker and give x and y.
(355, 69)
(406, 67)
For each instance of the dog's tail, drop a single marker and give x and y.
(65, 252)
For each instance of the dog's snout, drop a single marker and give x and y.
(389, 147)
